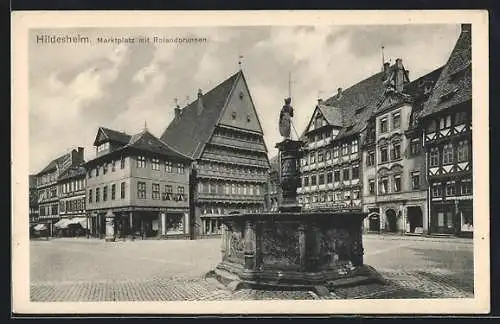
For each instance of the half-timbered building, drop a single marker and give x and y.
(446, 121)
(222, 133)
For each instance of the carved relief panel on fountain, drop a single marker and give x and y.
(280, 244)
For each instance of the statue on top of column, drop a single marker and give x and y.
(286, 115)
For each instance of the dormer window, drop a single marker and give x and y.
(103, 147)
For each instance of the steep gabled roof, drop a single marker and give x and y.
(357, 103)
(190, 132)
(333, 115)
(112, 135)
(145, 141)
(73, 172)
(454, 85)
(56, 163)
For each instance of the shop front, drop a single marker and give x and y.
(452, 217)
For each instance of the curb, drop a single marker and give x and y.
(421, 238)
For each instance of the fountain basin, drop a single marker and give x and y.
(317, 251)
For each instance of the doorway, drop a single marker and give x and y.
(374, 220)
(415, 218)
(392, 222)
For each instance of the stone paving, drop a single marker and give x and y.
(93, 270)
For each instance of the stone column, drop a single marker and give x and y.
(249, 245)
(131, 223)
(223, 246)
(163, 224)
(186, 223)
(110, 227)
(313, 239)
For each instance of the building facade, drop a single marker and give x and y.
(394, 185)
(331, 169)
(48, 186)
(73, 219)
(137, 187)
(222, 134)
(446, 121)
(33, 200)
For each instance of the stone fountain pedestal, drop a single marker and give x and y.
(314, 251)
(292, 249)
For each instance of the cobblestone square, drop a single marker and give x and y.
(173, 270)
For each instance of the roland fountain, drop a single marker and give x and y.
(292, 249)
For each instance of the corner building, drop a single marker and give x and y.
(394, 184)
(446, 122)
(222, 134)
(137, 186)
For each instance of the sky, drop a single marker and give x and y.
(75, 88)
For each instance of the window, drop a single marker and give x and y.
(415, 147)
(329, 177)
(396, 120)
(383, 125)
(321, 179)
(383, 154)
(233, 189)
(122, 190)
(105, 193)
(451, 188)
(337, 195)
(396, 151)
(105, 168)
(313, 180)
(90, 196)
(306, 181)
(168, 189)
(97, 194)
(113, 191)
(415, 180)
(355, 194)
(141, 190)
(355, 172)
(155, 191)
(304, 161)
(141, 162)
(397, 183)
(54, 208)
(320, 157)
(335, 151)
(122, 163)
(370, 158)
(345, 149)
(345, 174)
(431, 127)
(113, 166)
(437, 191)
(312, 157)
(180, 168)
(448, 154)
(434, 157)
(328, 155)
(212, 188)
(463, 151)
(371, 186)
(445, 122)
(384, 185)
(466, 187)
(155, 164)
(354, 146)
(168, 166)
(336, 175)
(460, 118)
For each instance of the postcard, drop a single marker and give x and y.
(270, 162)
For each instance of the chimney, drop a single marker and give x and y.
(77, 156)
(320, 101)
(466, 28)
(399, 77)
(339, 93)
(200, 101)
(177, 110)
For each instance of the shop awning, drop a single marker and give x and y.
(81, 221)
(40, 227)
(62, 223)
